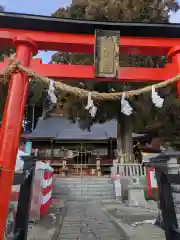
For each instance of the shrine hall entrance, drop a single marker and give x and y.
(82, 158)
(81, 176)
(81, 161)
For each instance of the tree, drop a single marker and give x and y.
(35, 99)
(140, 11)
(106, 10)
(1, 8)
(35, 103)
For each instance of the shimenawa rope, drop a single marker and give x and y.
(15, 65)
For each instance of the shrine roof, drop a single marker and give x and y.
(52, 24)
(60, 128)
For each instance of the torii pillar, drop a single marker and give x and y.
(174, 56)
(12, 124)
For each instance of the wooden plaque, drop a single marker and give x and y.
(106, 53)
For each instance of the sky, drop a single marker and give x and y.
(34, 6)
(37, 7)
(40, 8)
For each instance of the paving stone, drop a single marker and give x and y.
(87, 221)
(127, 216)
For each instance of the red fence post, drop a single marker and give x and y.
(12, 125)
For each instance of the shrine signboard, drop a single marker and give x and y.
(106, 53)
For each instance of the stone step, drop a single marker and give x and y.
(79, 194)
(83, 183)
(98, 187)
(71, 196)
(88, 188)
(64, 196)
(82, 190)
(84, 196)
(98, 180)
(85, 187)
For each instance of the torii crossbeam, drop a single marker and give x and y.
(28, 34)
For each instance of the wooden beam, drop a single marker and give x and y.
(67, 42)
(81, 72)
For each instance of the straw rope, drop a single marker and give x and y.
(15, 65)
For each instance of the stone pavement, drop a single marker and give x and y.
(87, 221)
(94, 221)
(48, 226)
(136, 223)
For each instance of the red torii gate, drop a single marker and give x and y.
(31, 33)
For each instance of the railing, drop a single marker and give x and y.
(91, 169)
(128, 170)
(125, 170)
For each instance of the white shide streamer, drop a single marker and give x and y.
(90, 106)
(51, 92)
(125, 106)
(156, 99)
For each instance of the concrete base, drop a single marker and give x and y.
(125, 181)
(136, 197)
(132, 192)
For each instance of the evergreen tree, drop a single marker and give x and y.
(36, 96)
(152, 119)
